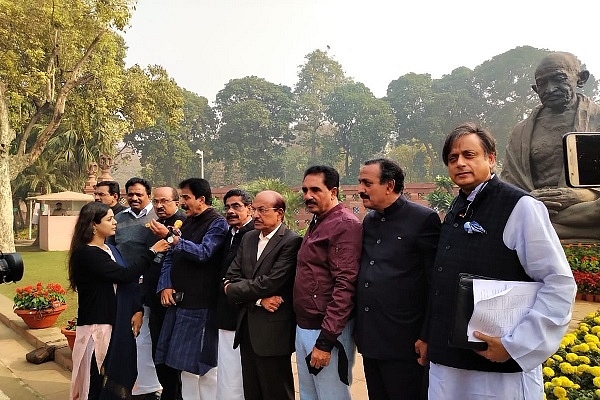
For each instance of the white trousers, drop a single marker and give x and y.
(229, 370)
(147, 381)
(195, 387)
(453, 383)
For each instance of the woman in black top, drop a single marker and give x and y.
(109, 311)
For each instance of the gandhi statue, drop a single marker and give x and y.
(534, 157)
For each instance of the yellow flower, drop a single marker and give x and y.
(567, 368)
(583, 368)
(596, 381)
(594, 371)
(591, 339)
(583, 360)
(549, 362)
(597, 391)
(571, 357)
(549, 372)
(557, 358)
(559, 392)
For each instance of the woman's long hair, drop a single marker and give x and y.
(84, 231)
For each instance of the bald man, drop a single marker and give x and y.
(534, 157)
(260, 279)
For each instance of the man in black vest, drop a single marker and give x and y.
(495, 230)
(187, 286)
(238, 212)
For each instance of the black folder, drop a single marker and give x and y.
(463, 310)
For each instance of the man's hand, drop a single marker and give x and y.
(161, 246)
(136, 323)
(421, 350)
(557, 199)
(166, 297)
(319, 358)
(159, 230)
(272, 303)
(495, 351)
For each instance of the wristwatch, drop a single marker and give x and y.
(170, 238)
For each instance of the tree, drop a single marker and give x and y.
(47, 54)
(363, 125)
(254, 126)
(317, 78)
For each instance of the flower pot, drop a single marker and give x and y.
(597, 298)
(37, 319)
(578, 296)
(70, 335)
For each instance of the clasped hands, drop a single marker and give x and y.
(560, 198)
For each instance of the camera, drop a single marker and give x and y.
(11, 267)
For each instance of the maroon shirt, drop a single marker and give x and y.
(326, 273)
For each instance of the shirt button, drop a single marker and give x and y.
(378, 241)
(383, 219)
(366, 284)
(314, 295)
(371, 262)
(456, 224)
(367, 309)
(448, 247)
(440, 269)
(437, 292)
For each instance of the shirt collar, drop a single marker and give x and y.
(145, 211)
(270, 235)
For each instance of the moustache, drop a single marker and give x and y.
(231, 216)
(308, 202)
(184, 207)
(364, 196)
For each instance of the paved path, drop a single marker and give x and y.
(20, 380)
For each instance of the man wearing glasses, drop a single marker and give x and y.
(166, 205)
(238, 213)
(260, 279)
(109, 192)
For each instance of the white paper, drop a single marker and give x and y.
(499, 306)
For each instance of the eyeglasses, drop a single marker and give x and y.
(263, 210)
(163, 202)
(234, 206)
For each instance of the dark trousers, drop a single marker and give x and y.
(394, 379)
(265, 378)
(168, 377)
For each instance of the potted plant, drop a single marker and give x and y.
(39, 306)
(69, 331)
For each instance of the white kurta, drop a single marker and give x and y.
(529, 232)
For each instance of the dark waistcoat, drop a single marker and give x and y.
(483, 254)
(196, 279)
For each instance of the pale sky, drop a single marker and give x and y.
(205, 43)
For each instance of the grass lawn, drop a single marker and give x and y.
(44, 266)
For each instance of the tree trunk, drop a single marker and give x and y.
(7, 236)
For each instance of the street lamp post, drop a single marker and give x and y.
(201, 154)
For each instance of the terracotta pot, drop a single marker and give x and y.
(70, 335)
(597, 298)
(578, 296)
(37, 319)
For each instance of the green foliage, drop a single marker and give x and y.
(441, 198)
(254, 126)
(39, 297)
(583, 257)
(363, 125)
(44, 266)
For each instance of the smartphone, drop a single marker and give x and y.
(582, 159)
(178, 297)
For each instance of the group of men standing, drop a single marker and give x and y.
(235, 296)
